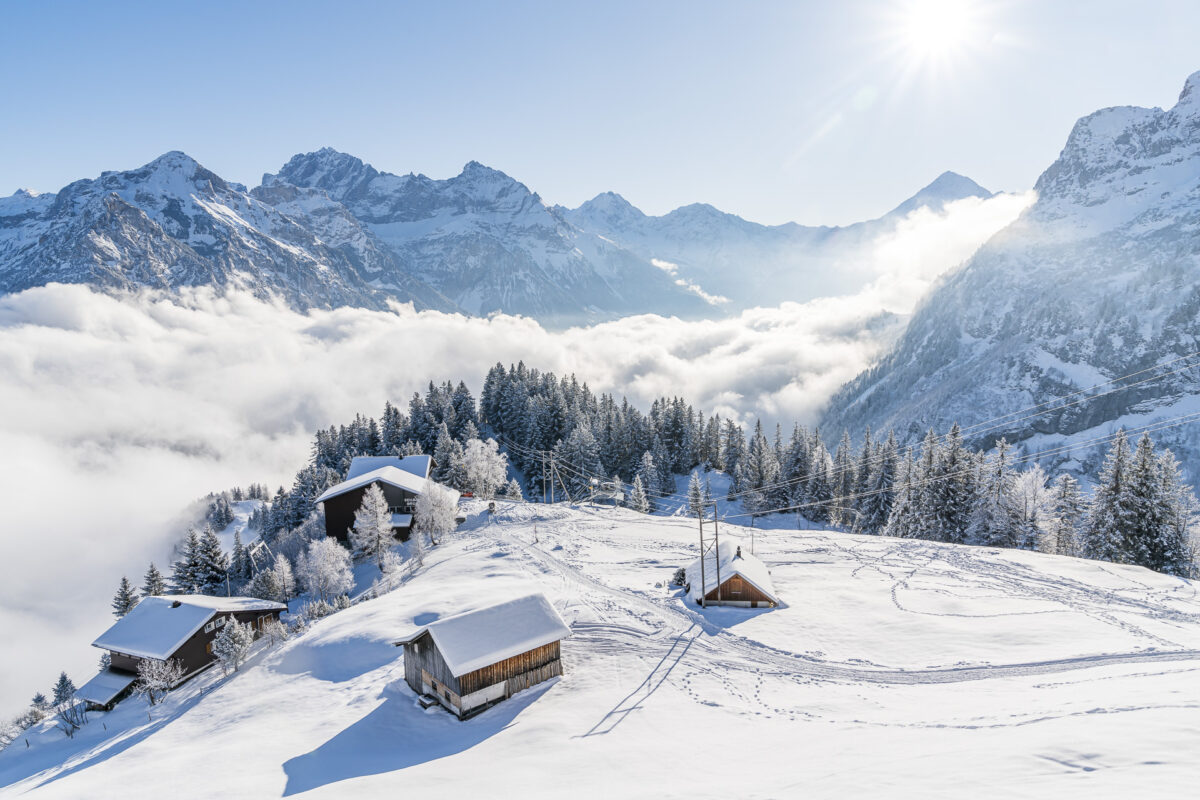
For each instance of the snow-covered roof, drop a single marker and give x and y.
(417, 465)
(401, 520)
(157, 626)
(476, 639)
(747, 565)
(401, 479)
(103, 688)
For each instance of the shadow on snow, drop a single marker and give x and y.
(399, 734)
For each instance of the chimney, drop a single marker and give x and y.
(738, 554)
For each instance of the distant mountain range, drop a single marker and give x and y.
(330, 230)
(1100, 278)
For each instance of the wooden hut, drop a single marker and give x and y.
(730, 576)
(401, 479)
(171, 627)
(474, 660)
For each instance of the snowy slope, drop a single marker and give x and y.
(1100, 278)
(751, 264)
(899, 668)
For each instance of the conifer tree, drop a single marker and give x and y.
(637, 496)
(153, 583)
(879, 493)
(185, 571)
(125, 599)
(647, 479)
(212, 565)
(64, 690)
(1067, 510)
(512, 491)
(995, 520)
(695, 495)
(284, 578)
(1109, 513)
(239, 561)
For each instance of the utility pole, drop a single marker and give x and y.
(543, 478)
(706, 545)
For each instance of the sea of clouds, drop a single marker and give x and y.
(119, 412)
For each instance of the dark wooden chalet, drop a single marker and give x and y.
(175, 627)
(401, 479)
(472, 661)
(730, 576)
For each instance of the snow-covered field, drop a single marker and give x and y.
(895, 668)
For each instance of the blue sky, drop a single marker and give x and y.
(814, 112)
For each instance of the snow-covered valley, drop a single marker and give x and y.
(902, 667)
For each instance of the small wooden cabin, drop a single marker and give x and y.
(175, 627)
(401, 479)
(470, 662)
(731, 577)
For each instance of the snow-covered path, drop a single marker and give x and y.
(894, 666)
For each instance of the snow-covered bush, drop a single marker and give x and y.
(275, 632)
(436, 512)
(324, 569)
(156, 678)
(316, 609)
(513, 491)
(341, 602)
(232, 644)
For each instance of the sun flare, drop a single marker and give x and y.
(936, 30)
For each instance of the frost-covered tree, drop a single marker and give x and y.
(265, 586)
(372, 535)
(1109, 514)
(436, 513)
(285, 580)
(513, 490)
(996, 518)
(647, 477)
(875, 506)
(1066, 514)
(325, 569)
(1032, 500)
(637, 496)
(157, 678)
(239, 560)
(125, 598)
(485, 468)
(232, 644)
(64, 690)
(695, 495)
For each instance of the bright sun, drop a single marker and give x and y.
(936, 30)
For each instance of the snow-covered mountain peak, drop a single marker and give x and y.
(338, 173)
(945, 188)
(1190, 96)
(1125, 165)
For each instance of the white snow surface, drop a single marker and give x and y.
(394, 476)
(474, 639)
(104, 686)
(417, 465)
(896, 668)
(156, 627)
(730, 562)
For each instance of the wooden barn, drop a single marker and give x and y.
(731, 577)
(472, 661)
(178, 627)
(401, 479)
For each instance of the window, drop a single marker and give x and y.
(209, 627)
(221, 622)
